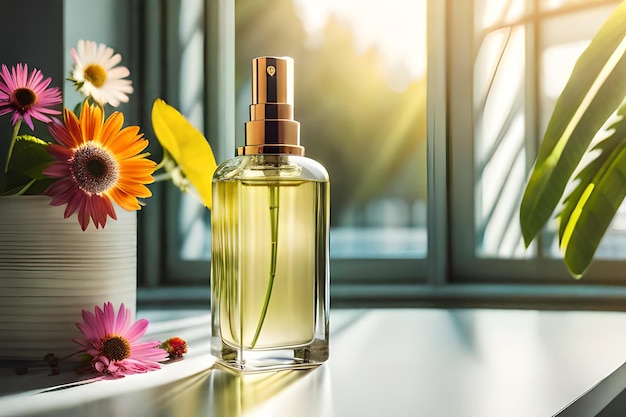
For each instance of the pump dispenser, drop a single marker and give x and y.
(270, 225)
(272, 128)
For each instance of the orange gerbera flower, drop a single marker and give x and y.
(97, 162)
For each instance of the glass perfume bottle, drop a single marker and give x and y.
(270, 224)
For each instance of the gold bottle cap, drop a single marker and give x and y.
(272, 128)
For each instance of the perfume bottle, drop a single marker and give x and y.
(270, 234)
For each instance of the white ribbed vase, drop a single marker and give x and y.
(50, 270)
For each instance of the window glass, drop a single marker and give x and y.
(360, 97)
(524, 58)
(499, 132)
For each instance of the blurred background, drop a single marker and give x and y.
(360, 97)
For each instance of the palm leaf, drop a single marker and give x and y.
(589, 209)
(594, 91)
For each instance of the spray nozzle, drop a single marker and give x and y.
(272, 128)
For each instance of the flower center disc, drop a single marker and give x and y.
(24, 98)
(116, 348)
(95, 74)
(94, 169)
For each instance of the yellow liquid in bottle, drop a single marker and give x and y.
(266, 260)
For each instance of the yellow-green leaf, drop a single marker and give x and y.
(589, 209)
(189, 148)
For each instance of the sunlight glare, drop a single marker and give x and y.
(397, 30)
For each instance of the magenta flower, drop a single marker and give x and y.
(112, 343)
(27, 97)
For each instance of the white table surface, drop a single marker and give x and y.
(396, 362)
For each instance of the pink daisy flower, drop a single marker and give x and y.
(27, 97)
(112, 343)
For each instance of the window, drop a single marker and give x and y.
(523, 52)
(185, 50)
(427, 118)
(367, 125)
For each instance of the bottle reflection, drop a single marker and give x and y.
(221, 392)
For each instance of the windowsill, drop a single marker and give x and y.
(436, 362)
(506, 296)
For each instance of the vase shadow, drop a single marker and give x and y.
(38, 378)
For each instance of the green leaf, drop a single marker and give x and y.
(594, 91)
(589, 209)
(187, 146)
(25, 174)
(30, 157)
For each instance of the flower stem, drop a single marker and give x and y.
(166, 176)
(16, 129)
(274, 198)
(26, 187)
(165, 160)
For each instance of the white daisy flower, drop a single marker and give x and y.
(96, 75)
